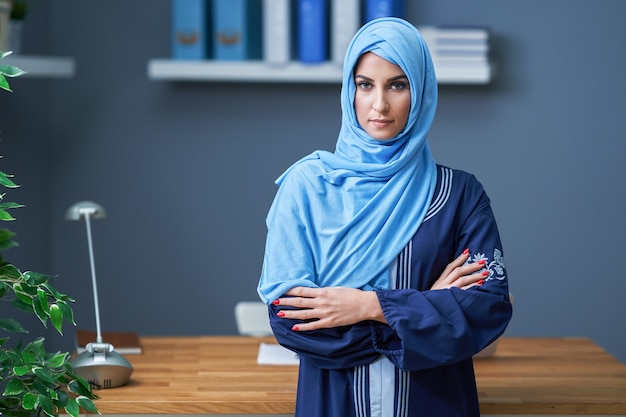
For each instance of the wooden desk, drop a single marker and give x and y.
(219, 375)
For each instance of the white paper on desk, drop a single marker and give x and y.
(274, 354)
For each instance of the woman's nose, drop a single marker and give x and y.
(380, 104)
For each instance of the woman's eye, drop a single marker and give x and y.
(398, 85)
(364, 85)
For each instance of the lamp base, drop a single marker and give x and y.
(101, 366)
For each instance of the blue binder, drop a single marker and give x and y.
(383, 8)
(312, 31)
(237, 32)
(190, 32)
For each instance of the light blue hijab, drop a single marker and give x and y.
(340, 219)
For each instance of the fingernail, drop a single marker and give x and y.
(481, 262)
(481, 282)
(295, 328)
(485, 273)
(281, 314)
(466, 251)
(276, 302)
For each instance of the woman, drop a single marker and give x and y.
(382, 269)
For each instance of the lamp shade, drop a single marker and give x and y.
(82, 208)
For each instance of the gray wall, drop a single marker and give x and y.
(186, 170)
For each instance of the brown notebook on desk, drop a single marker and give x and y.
(123, 342)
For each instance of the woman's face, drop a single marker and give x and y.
(382, 101)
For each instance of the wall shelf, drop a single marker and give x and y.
(43, 67)
(294, 72)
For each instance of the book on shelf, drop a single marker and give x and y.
(312, 29)
(462, 33)
(190, 32)
(345, 21)
(123, 342)
(457, 46)
(456, 39)
(374, 9)
(237, 29)
(277, 31)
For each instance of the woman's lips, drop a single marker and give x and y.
(380, 123)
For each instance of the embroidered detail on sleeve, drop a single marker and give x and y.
(495, 267)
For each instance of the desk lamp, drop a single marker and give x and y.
(99, 364)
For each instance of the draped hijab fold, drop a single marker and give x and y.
(341, 218)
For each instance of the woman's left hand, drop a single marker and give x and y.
(330, 307)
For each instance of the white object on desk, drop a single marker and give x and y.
(275, 354)
(252, 319)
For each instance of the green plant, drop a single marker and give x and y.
(8, 71)
(19, 9)
(31, 379)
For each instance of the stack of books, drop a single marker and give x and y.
(274, 31)
(460, 53)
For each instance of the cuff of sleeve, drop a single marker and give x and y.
(384, 337)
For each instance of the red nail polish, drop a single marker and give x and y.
(485, 273)
(276, 302)
(466, 251)
(481, 262)
(281, 314)
(295, 328)
(481, 282)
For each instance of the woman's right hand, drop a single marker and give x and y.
(458, 274)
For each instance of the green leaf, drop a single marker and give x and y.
(46, 405)
(5, 216)
(80, 387)
(68, 314)
(28, 357)
(12, 356)
(62, 399)
(56, 316)
(36, 347)
(54, 394)
(58, 360)
(12, 325)
(42, 296)
(44, 375)
(6, 234)
(49, 288)
(10, 271)
(42, 315)
(36, 278)
(7, 244)
(5, 179)
(21, 370)
(29, 401)
(14, 387)
(23, 288)
(86, 404)
(4, 84)
(11, 71)
(72, 407)
(8, 206)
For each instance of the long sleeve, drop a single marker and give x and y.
(440, 327)
(426, 328)
(336, 348)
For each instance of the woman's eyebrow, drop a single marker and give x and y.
(397, 77)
